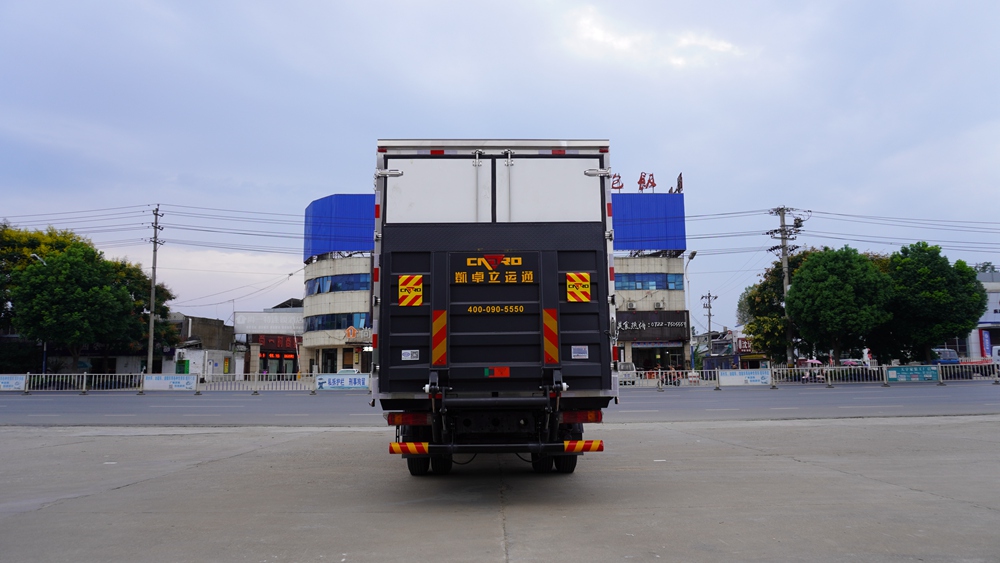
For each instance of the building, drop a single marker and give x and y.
(653, 322)
(987, 335)
(339, 242)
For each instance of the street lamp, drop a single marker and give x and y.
(45, 343)
(687, 304)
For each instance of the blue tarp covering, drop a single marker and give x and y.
(340, 223)
(346, 223)
(648, 221)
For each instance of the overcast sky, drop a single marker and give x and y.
(234, 116)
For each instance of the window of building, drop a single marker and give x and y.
(342, 282)
(337, 321)
(649, 281)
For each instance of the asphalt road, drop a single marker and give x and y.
(674, 404)
(856, 473)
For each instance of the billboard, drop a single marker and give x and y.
(340, 223)
(648, 221)
(266, 322)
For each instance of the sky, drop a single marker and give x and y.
(876, 121)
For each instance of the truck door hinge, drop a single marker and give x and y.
(600, 172)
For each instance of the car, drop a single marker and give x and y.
(626, 373)
(945, 356)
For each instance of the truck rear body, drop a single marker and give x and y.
(493, 296)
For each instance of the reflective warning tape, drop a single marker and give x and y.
(578, 287)
(551, 332)
(581, 446)
(411, 290)
(439, 338)
(409, 447)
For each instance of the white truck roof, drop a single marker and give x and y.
(494, 180)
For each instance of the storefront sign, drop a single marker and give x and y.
(653, 325)
(269, 323)
(912, 373)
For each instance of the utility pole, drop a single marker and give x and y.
(152, 294)
(785, 233)
(708, 305)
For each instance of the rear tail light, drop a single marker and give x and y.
(579, 417)
(408, 418)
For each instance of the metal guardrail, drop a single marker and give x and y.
(256, 383)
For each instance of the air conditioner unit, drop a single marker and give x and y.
(630, 306)
(658, 305)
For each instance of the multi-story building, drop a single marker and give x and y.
(337, 303)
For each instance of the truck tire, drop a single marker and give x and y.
(541, 463)
(565, 463)
(441, 464)
(418, 466)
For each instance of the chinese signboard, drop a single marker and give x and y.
(498, 269)
(653, 325)
(911, 373)
(268, 323)
(744, 377)
(334, 382)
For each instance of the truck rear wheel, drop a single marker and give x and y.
(565, 463)
(441, 464)
(541, 463)
(418, 466)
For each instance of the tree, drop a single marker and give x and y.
(933, 300)
(984, 267)
(71, 300)
(761, 307)
(838, 298)
(16, 249)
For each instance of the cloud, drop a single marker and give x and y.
(591, 35)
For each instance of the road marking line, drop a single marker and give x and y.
(119, 415)
(203, 414)
(365, 414)
(784, 408)
(291, 415)
(722, 409)
(196, 406)
(44, 415)
(871, 407)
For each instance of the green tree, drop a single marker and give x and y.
(761, 308)
(838, 298)
(16, 248)
(933, 300)
(72, 300)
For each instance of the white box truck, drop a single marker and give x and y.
(493, 284)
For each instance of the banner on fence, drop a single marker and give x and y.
(170, 382)
(334, 382)
(729, 377)
(912, 373)
(13, 382)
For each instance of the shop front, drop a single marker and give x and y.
(278, 356)
(654, 339)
